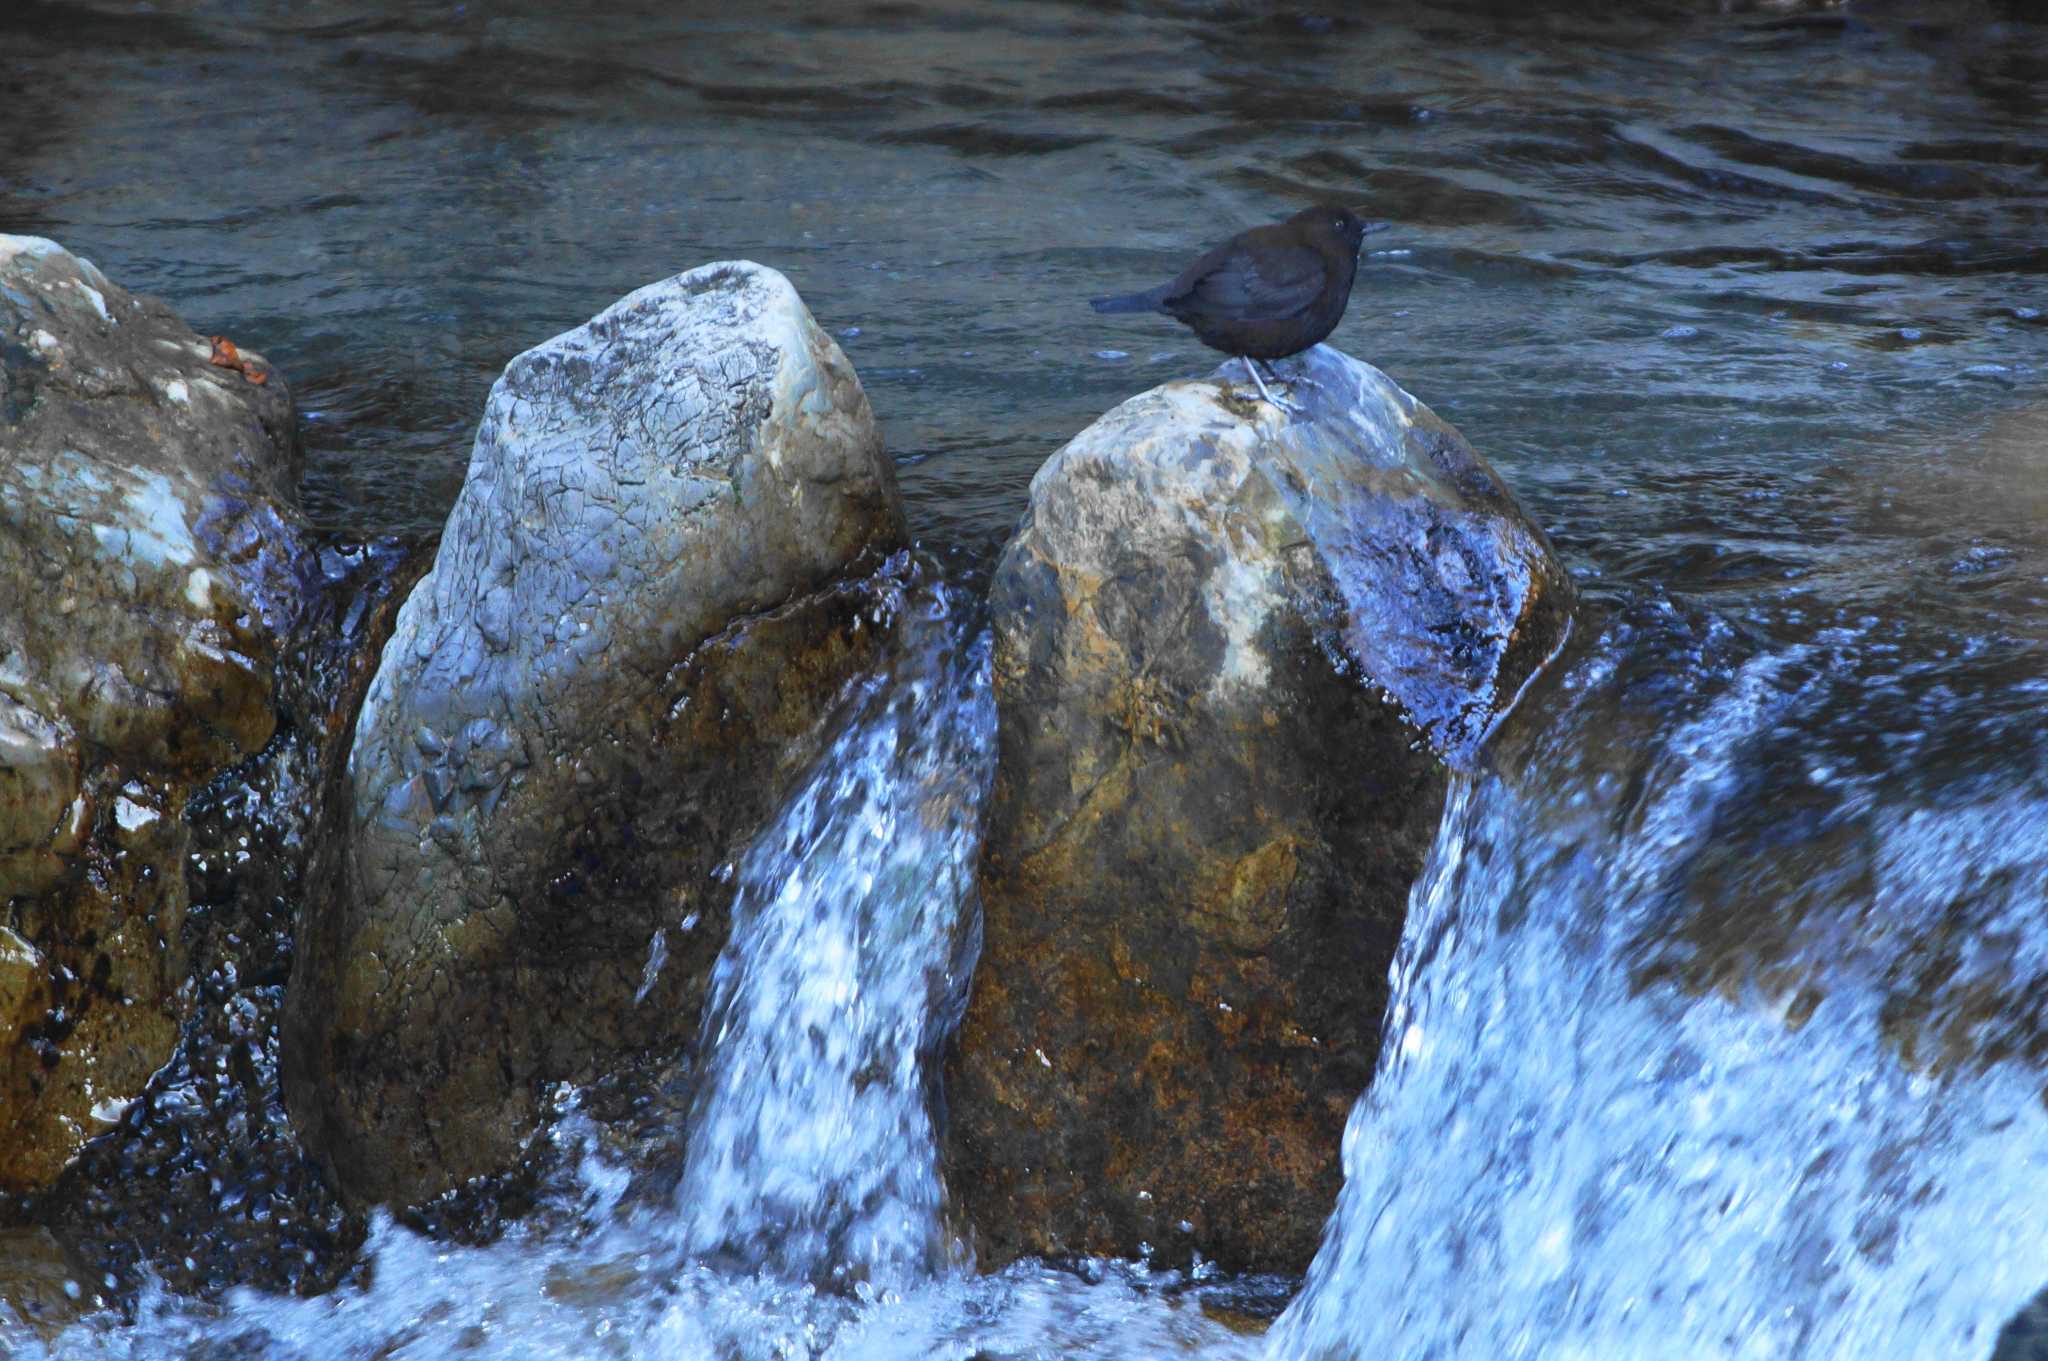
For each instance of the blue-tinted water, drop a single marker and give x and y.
(1748, 309)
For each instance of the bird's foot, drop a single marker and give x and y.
(1251, 367)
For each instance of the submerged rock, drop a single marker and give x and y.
(1207, 815)
(145, 552)
(639, 613)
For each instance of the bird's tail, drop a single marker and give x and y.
(1147, 301)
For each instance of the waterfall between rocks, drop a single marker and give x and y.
(807, 1215)
(1642, 1093)
(811, 1151)
(1614, 1117)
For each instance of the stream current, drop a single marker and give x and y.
(1718, 1027)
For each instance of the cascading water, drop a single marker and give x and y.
(811, 1148)
(806, 1219)
(1675, 1070)
(1723, 998)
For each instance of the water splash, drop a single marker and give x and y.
(1615, 1120)
(811, 1147)
(807, 1217)
(601, 1285)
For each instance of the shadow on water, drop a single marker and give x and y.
(2026, 1337)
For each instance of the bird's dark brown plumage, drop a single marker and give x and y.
(1265, 293)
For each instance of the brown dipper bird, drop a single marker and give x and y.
(1265, 293)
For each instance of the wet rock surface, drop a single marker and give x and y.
(204, 1184)
(40, 1283)
(642, 609)
(147, 543)
(1207, 811)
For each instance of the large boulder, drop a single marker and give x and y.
(1207, 813)
(642, 607)
(145, 552)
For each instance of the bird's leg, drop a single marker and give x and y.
(1251, 367)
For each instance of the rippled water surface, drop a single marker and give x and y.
(1751, 310)
(1748, 272)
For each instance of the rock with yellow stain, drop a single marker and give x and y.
(1236, 648)
(145, 549)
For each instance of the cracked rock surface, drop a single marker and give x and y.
(1235, 650)
(642, 608)
(146, 542)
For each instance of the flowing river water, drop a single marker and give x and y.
(1721, 1020)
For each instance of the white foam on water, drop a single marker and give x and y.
(1578, 1163)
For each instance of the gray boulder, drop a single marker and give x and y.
(642, 607)
(146, 544)
(1235, 649)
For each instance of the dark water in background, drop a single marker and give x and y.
(1752, 307)
(1750, 273)
(1751, 311)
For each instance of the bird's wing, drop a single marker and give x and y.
(1245, 285)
